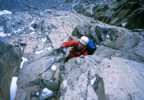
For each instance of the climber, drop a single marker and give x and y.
(79, 47)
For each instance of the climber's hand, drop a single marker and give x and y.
(61, 49)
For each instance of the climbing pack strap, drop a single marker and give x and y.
(91, 47)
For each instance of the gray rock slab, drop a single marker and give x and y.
(122, 79)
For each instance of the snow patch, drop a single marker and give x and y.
(2, 32)
(46, 93)
(31, 28)
(39, 52)
(4, 35)
(49, 48)
(107, 36)
(124, 24)
(13, 88)
(23, 61)
(18, 30)
(90, 10)
(4, 12)
(33, 33)
(43, 39)
(53, 67)
(92, 81)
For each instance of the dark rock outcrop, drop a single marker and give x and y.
(125, 13)
(10, 58)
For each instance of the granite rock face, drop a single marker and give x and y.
(96, 78)
(45, 34)
(108, 74)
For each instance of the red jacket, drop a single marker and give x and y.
(74, 52)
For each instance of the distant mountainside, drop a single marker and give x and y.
(26, 5)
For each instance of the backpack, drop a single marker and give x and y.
(91, 47)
